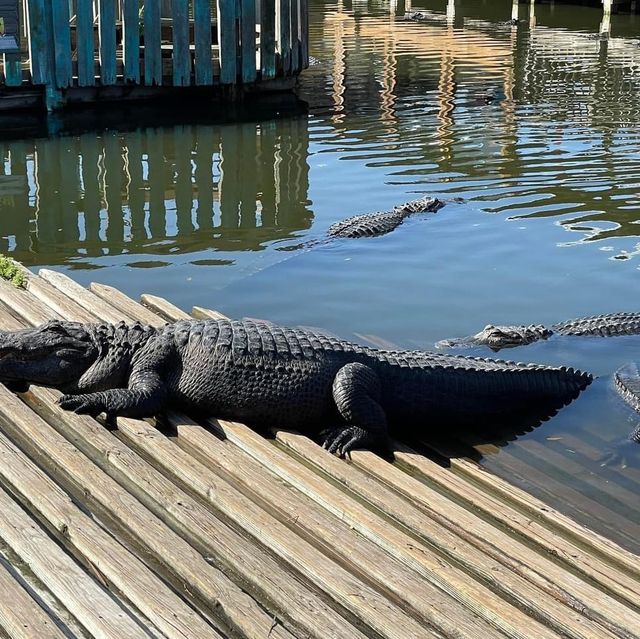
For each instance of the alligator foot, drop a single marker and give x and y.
(621, 455)
(81, 404)
(342, 440)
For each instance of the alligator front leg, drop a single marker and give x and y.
(145, 397)
(357, 392)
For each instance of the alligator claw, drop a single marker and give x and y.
(80, 404)
(341, 441)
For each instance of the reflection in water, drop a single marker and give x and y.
(155, 191)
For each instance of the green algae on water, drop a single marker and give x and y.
(10, 271)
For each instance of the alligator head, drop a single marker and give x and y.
(498, 337)
(55, 354)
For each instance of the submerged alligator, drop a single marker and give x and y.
(507, 336)
(268, 375)
(374, 224)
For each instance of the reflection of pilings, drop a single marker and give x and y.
(339, 68)
(515, 10)
(387, 95)
(92, 195)
(446, 102)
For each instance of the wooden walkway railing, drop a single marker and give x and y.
(211, 530)
(89, 44)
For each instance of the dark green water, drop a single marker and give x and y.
(536, 127)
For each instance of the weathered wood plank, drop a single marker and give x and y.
(202, 21)
(457, 522)
(20, 616)
(294, 509)
(82, 296)
(268, 39)
(84, 599)
(248, 40)
(378, 612)
(180, 35)
(152, 44)
(40, 45)
(20, 302)
(593, 566)
(474, 594)
(131, 40)
(201, 313)
(208, 588)
(85, 43)
(118, 299)
(165, 309)
(228, 40)
(61, 43)
(107, 32)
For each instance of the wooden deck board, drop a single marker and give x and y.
(323, 547)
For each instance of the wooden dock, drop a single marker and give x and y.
(78, 51)
(211, 530)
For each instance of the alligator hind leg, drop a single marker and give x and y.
(356, 392)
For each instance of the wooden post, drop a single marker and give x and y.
(605, 25)
(515, 11)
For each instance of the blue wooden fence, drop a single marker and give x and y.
(92, 43)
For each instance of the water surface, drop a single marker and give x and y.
(536, 126)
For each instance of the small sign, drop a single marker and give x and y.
(9, 25)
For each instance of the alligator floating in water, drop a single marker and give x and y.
(507, 336)
(267, 375)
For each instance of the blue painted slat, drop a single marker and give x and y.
(285, 36)
(12, 69)
(181, 53)
(39, 46)
(248, 39)
(152, 50)
(228, 39)
(61, 43)
(304, 32)
(131, 40)
(84, 43)
(268, 38)
(202, 34)
(295, 37)
(107, 41)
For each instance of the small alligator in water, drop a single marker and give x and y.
(267, 375)
(374, 224)
(507, 336)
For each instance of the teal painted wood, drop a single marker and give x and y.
(284, 44)
(107, 33)
(131, 40)
(84, 43)
(228, 39)
(202, 33)
(53, 95)
(40, 47)
(248, 40)
(181, 53)
(12, 69)
(61, 43)
(296, 54)
(304, 32)
(268, 39)
(152, 50)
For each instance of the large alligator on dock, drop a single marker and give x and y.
(268, 375)
(509, 336)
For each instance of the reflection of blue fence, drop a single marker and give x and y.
(71, 44)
